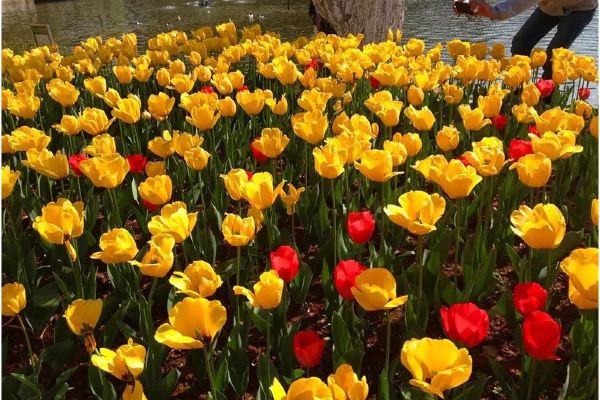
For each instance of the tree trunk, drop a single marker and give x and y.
(372, 18)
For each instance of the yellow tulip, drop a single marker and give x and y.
(267, 291)
(162, 146)
(414, 47)
(538, 57)
(160, 105)
(582, 268)
(557, 119)
(238, 231)
(193, 323)
(593, 211)
(467, 69)
(375, 290)
(531, 94)
(14, 299)
(101, 144)
(106, 170)
(128, 110)
(158, 260)
(473, 119)
(533, 170)
(314, 100)
(457, 48)
(126, 364)
(60, 222)
(82, 317)
(310, 126)
(203, 117)
(94, 121)
(583, 108)
(303, 389)
(490, 105)
(457, 180)
(479, 50)
(524, 113)
(95, 85)
(117, 245)
(422, 119)
(389, 112)
(418, 211)
(447, 138)
(329, 160)
(415, 95)
(436, 365)
(431, 167)
(278, 107)
(9, 180)
(397, 150)
(62, 92)
(134, 391)
(594, 126)
(124, 74)
(271, 142)
(174, 220)
(285, 71)
(252, 102)
(259, 191)
(69, 125)
(24, 106)
(411, 141)
(555, 146)
(376, 165)
(375, 99)
(156, 190)
(487, 160)
(453, 94)
(7, 96)
(497, 51)
(541, 228)
(44, 162)
(344, 384)
(198, 279)
(227, 107)
(222, 83)
(25, 138)
(196, 158)
(292, 198)
(182, 83)
(234, 181)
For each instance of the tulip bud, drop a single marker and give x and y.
(465, 323)
(360, 226)
(308, 348)
(541, 336)
(529, 297)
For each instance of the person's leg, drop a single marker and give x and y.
(569, 28)
(533, 30)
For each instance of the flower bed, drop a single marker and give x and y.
(232, 216)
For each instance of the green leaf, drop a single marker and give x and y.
(60, 382)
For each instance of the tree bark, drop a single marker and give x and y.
(372, 18)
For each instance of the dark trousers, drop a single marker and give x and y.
(539, 24)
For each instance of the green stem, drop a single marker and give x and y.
(237, 281)
(269, 347)
(420, 262)
(152, 288)
(531, 378)
(27, 342)
(387, 344)
(333, 208)
(457, 244)
(76, 268)
(209, 371)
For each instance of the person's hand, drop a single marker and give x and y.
(481, 8)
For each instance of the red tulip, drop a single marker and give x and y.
(149, 206)
(207, 89)
(258, 156)
(284, 260)
(529, 297)
(541, 336)
(344, 277)
(533, 129)
(545, 86)
(314, 64)
(374, 83)
(242, 88)
(137, 163)
(249, 174)
(308, 348)
(360, 226)
(500, 121)
(583, 93)
(74, 161)
(463, 160)
(519, 148)
(465, 323)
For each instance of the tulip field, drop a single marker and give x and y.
(220, 214)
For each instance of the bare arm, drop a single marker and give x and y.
(504, 10)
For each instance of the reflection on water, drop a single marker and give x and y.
(74, 20)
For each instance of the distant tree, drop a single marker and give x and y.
(373, 18)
